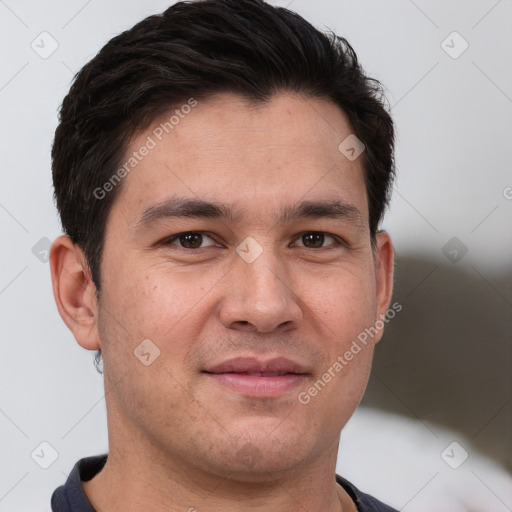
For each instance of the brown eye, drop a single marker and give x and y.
(313, 240)
(191, 240)
(316, 240)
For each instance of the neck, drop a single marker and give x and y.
(140, 478)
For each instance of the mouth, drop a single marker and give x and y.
(257, 378)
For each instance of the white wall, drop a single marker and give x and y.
(445, 361)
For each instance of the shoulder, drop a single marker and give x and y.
(71, 496)
(364, 502)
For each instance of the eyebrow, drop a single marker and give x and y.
(322, 209)
(199, 209)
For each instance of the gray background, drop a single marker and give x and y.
(442, 372)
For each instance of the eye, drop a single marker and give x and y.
(190, 240)
(315, 240)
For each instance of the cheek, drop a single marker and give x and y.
(341, 317)
(344, 302)
(342, 311)
(167, 301)
(146, 386)
(167, 306)
(151, 300)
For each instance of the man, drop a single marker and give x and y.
(221, 171)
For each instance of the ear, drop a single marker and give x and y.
(75, 292)
(384, 259)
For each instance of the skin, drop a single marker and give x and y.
(177, 439)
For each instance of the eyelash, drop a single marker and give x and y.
(337, 241)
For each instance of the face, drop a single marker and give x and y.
(239, 250)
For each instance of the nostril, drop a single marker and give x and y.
(243, 325)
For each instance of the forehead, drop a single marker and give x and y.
(226, 149)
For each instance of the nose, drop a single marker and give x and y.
(260, 297)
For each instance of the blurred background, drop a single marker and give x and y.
(434, 431)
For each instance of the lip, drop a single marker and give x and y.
(258, 378)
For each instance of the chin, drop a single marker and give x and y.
(261, 451)
(250, 464)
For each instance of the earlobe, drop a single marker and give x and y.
(384, 266)
(75, 292)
